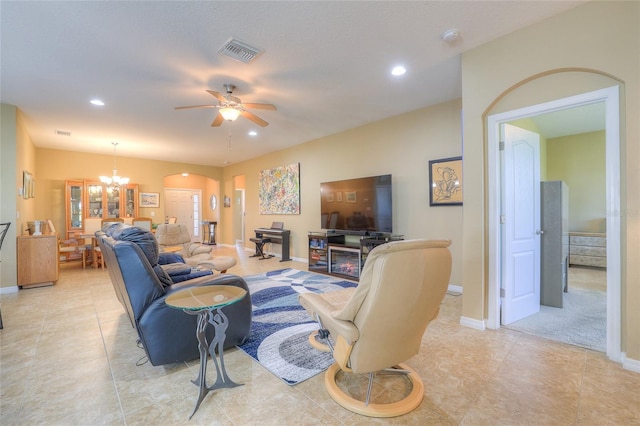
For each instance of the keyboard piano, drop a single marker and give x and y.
(275, 235)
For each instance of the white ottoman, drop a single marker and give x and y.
(219, 263)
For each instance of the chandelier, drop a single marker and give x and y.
(114, 181)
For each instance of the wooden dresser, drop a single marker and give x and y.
(37, 260)
(588, 249)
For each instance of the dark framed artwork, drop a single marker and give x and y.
(445, 182)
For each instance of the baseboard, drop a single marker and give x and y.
(472, 323)
(454, 288)
(8, 290)
(630, 364)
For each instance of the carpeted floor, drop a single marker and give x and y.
(582, 321)
(281, 327)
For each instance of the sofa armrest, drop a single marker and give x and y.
(169, 335)
(220, 279)
(166, 258)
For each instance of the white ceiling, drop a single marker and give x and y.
(572, 121)
(326, 66)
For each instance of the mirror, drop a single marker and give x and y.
(213, 202)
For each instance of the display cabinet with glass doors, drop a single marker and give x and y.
(87, 199)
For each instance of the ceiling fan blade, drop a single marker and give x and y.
(196, 106)
(218, 95)
(217, 121)
(259, 121)
(260, 106)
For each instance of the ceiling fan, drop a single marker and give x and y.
(231, 107)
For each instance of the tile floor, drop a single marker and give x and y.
(68, 357)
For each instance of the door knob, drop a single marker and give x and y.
(539, 231)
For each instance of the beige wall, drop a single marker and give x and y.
(579, 161)
(600, 36)
(55, 166)
(401, 146)
(11, 167)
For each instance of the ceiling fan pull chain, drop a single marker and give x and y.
(229, 138)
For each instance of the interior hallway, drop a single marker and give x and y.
(68, 357)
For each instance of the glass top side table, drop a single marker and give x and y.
(206, 302)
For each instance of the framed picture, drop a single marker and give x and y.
(350, 196)
(149, 199)
(445, 182)
(227, 201)
(28, 185)
(279, 190)
(339, 196)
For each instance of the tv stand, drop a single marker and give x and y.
(343, 253)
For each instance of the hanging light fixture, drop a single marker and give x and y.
(230, 113)
(114, 181)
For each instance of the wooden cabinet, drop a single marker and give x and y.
(588, 249)
(74, 196)
(87, 199)
(106, 203)
(37, 260)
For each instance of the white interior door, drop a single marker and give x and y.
(185, 205)
(521, 224)
(238, 221)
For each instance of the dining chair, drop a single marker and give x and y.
(143, 222)
(71, 250)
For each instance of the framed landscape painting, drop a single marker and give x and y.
(149, 199)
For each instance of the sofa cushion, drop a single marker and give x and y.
(186, 277)
(166, 258)
(176, 269)
(143, 238)
(163, 276)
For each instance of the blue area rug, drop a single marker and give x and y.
(280, 327)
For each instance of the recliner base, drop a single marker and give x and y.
(404, 406)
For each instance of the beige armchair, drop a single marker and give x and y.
(175, 237)
(379, 325)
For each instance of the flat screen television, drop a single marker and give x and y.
(361, 205)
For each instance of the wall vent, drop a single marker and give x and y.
(240, 51)
(62, 133)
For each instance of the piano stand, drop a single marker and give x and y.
(260, 242)
(274, 235)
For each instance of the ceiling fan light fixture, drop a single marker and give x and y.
(229, 114)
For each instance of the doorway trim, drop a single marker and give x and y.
(610, 96)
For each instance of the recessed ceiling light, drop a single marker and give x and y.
(185, 174)
(398, 70)
(97, 102)
(253, 133)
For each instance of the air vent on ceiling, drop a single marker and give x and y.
(240, 51)
(62, 133)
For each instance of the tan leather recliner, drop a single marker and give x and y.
(379, 324)
(194, 254)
